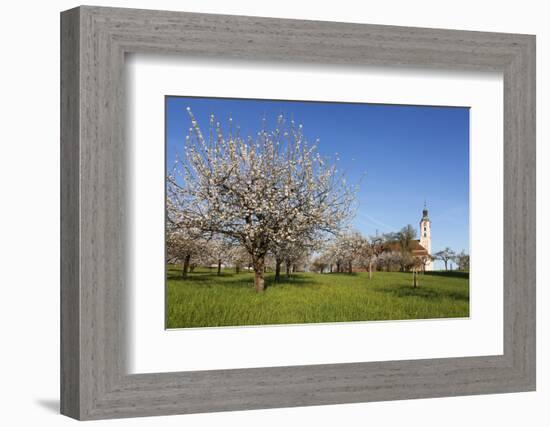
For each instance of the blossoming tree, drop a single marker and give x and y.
(181, 246)
(261, 191)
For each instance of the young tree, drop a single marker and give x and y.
(424, 260)
(335, 253)
(402, 240)
(445, 255)
(416, 266)
(238, 256)
(383, 261)
(259, 191)
(182, 243)
(405, 237)
(407, 260)
(218, 251)
(350, 247)
(291, 259)
(462, 260)
(319, 264)
(290, 253)
(297, 254)
(371, 250)
(328, 255)
(300, 261)
(389, 260)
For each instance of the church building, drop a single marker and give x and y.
(420, 248)
(425, 241)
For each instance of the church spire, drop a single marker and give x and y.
(426, 235)
(425, 212)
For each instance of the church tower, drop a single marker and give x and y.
(426, 235)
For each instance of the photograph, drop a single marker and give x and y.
(299, 212)
(268, 213)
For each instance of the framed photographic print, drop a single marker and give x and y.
(260, 199)
(262, 213)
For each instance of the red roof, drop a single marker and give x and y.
(416, 248)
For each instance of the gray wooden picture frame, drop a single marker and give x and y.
(94, 382)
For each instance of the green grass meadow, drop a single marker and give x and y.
(205, 299)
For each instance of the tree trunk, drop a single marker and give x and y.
(278, 270)
(370, 270)
(259, 282)
(185, 266)
(219, 267)
(445, 265)
(415, 279)
(237, 268)
(338, 267)
(350, 268)
(330, 268)
(192, 267)
(287, 268)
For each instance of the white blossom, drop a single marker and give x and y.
(265, 193)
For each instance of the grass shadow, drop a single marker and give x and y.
(459, 274)
(244, 279)
(176, 275)
(405, 291)
(294, 279)
(342, 274)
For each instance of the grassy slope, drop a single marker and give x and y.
(205, 299)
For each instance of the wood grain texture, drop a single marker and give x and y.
(94, 382)
(70, 263)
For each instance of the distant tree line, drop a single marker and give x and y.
(388, 252)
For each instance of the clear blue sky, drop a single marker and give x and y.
(406, 154)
